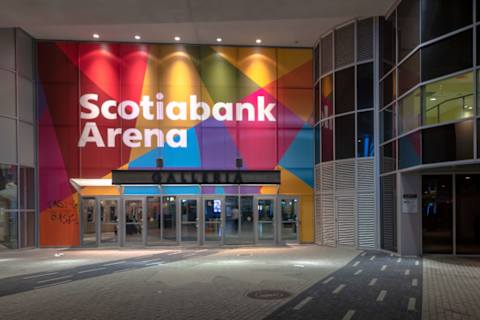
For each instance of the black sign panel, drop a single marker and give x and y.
(195, 177)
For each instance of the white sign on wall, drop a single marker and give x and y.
(409, 203)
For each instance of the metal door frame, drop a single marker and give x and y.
(82, 227)
(99, 219)
(274, 221)
(178, 200)
(220, 197)
(298, 222)
(123, 223)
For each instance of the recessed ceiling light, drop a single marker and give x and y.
(96, 35)
(258, 41)
(433, 99)
(137, 37)
(177, 38)
(219, 39)
(467, 178)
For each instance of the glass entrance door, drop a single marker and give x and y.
(189, 219)
(289, 219)
(154, 221)
(109, 218)
(265, 219)
(213, 213)
(169, 219)
(134, 217)
(89, 222)
(239, 221)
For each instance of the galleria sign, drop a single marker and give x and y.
(150, 110)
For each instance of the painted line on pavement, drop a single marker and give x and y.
(372, 282)
(356, 263)
(91, 270)
(302, 303)
(348, 315)
(414, 282)
(384, 267)
(363, 253)
(338, 289)
(417, 263)
(407, 272)
(53, 279)
(52, 284)
(358, 272)
(154, 263)
(327, 280)
(399, 260)
(113, 263)
(40, 275)
(411, 304)
(373, 257)
(381, 295)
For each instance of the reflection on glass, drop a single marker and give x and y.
(8, 200)
(133, 221)
(345, 86)
(213, 219)
(345, 137)
(365, 134)
(388, 123)
(289, 219)
(265, 219)
(109, 217)
(154, 222)
(188, 214)
(388, 157)
(365, 86)
(169, 218)
(246, 219)
(408, 26)
(448, 100)
(468, 214)
(232, 220)
(409, 113)
(89, 222)
(437, 214)
(409, 148)
(326, 97)
(327, 140)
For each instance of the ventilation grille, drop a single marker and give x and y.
(344, 45)
(345, 176)
(328, 220)
(346, 221)
(327, 54)
(365, 39)
(318, 219)
(317, 179)
(365, 175)
(326, 177)
(388, 215)
(366, 220)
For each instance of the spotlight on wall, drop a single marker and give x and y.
(219, 39)
(96, 36)
(433, 99)
(258, 41)
(177, 38)
(137, 37)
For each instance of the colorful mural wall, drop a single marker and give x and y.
(92, 118)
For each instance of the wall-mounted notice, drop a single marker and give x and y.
(409, 203)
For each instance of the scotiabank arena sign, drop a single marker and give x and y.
(111, 106)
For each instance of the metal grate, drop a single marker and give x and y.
(327, 54)
(365, 39)
(345, 208)
(366, 220)
(344, 45)
(365, 175)
(345, 176)
(328, 220)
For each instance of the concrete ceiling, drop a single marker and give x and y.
(276, 22)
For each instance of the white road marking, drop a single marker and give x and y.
(114, 263)
(327, 280)
(299, 265)
(338, 289)
(302, 303)
(363, 253)
(381, 295)
(91, 270)
(40, 275)
(372, 282)
(154, 263)
(147, 261)
(203, 250)
(348, 315)
(407, 272)
(356, 263)
(358, 272)
(417, 263)
(399, 260)
(414, 282)
(373, 257)
(391, 254)
(411, 304)
(52, 284)
(53, 279)
(384, 267)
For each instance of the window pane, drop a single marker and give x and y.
(365, 134)
(409, 149)
(447, 56)
(27, 191)
(327, 54)
(388, 89)
(317, 144)
(409, 73)
(327, 97)
(316, 105)
(468, 215)
(365, 86)
(345, 86)
(327, 140)
(440, 17)
(345, 137)
(408, 26)
(388, 45)
(344, 45)
(8, 200)
(388, 161)
(388, 124)
(448, 143)
(388, 213)
(409, 112)
(449, 99)
(365, 39)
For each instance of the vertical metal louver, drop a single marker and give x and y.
(318, 219)
(388, 214)
(327, 54)
(365, 39)
(344, 45)
(345, 176)
(317, 179)
(345, 208)
(366, 220)
(365, 175)
(326, 177)
(328, 220)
